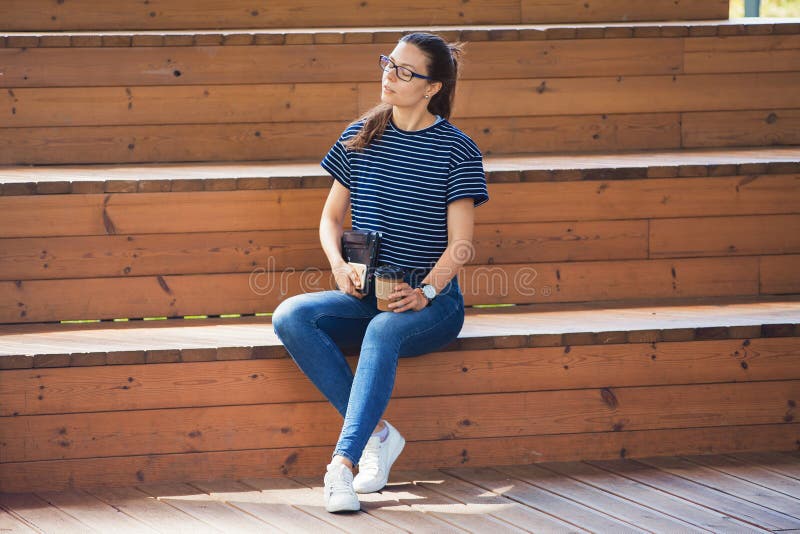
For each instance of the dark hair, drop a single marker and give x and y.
(442, 65)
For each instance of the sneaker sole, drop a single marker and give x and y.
(349, 508)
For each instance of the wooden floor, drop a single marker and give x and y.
(745, 492)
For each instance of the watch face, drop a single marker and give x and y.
(429, 291)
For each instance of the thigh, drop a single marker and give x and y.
(343, 317)
(424, 331)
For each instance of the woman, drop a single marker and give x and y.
(407, 171)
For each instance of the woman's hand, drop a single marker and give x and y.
(413, 299)
(347, 279)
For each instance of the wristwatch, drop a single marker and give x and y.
(429, 291)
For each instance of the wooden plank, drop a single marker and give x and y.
(621, 509)
(504, 135)
(493, 503)
(120, 214)
(387, 505)
(420, 499)
(93, 512)
(202, 507)
(552, 59)
(157, 514)
(721, 236)
(9, 523)
(561, 11)
(310, 461)
(645, 496)
(633, 199)
(749, 472)
(699, 494)
(617, 94)
(236, 142)
(169, 14)
(219, 252)
(739, 53)
(626, 280)
(225, 211)
(499, 60)
(206, 429)
(132, 144)
(251, 65)
(266, 504)
(153, 254)
(60, 390)
(87, 14)
(744, 128)
(609, 132)
(774, 273)
(310, 501)
(262, 291)
(741, 489)
(183, 104)
(190, 65)
(40, 514)
(778, 462)
(574, 512)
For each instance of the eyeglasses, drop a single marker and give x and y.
(403, 73)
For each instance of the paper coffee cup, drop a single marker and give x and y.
(386, 277)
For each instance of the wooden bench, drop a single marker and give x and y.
(139, 97)
(646, 335)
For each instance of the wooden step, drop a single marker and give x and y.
(41, 15)
(590, 88)
(144, 241)
(46, 345)
(570, 382)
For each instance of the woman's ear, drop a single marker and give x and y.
(435, 87)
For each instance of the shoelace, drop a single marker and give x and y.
(339, 483)
(370, 457)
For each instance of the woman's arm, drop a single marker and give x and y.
(460, 250)
(331, 227)
(331, 224)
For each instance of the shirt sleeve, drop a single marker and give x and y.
(337, 163)
(468, 180)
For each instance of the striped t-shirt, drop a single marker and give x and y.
(401, 183)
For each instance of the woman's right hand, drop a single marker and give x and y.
(347, 279)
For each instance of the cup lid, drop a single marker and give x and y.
(389, 271)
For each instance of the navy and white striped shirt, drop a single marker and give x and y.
(401, 184)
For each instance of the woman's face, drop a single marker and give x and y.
(402, 93)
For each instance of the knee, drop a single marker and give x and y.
(382, 331)
(287, 314)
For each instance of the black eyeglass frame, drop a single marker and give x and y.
(396, 67)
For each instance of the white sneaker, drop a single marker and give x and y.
(339, 494)
(377, 460)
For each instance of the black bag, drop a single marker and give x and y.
(361, 247)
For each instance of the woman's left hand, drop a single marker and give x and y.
(412, 299)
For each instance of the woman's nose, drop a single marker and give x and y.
(390, 75)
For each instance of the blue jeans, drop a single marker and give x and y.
(314, 327)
